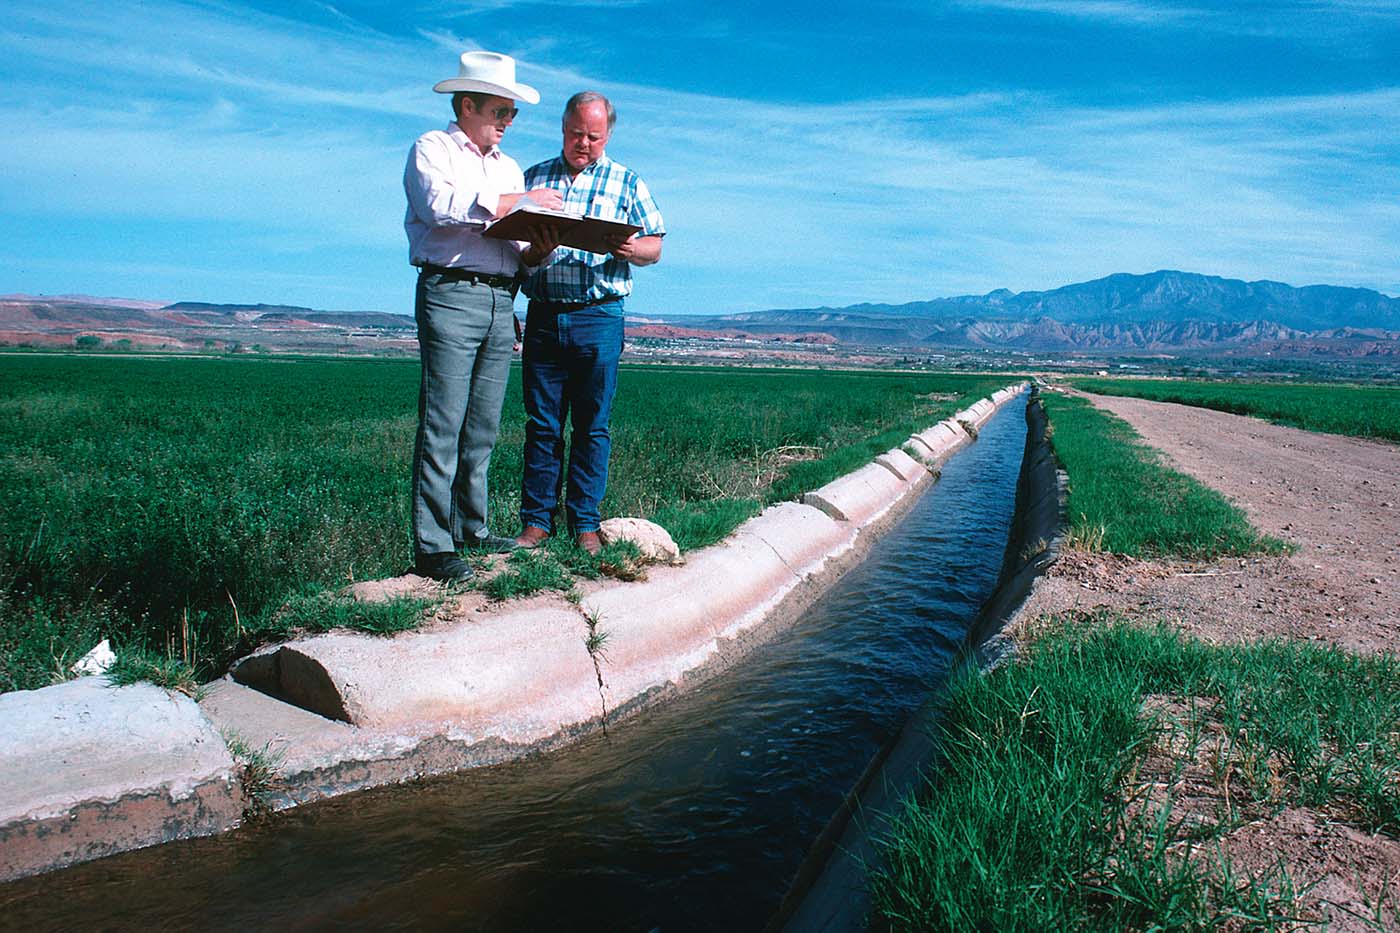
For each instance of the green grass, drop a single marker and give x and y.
(138, 496)
(138, 665)
(1035, 818)
(698, 522)
(257, 772)
(41, 638)
(1360, 411)
(707, 448)
(529, 572)
(1124, 499)
(317, 610)
(557, 564)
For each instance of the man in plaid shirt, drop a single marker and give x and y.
(573, 328)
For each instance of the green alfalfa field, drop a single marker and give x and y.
(1355, 410)
(188, 508)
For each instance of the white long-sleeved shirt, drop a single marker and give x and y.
(453, 189)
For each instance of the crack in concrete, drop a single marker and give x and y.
(779, 554)
(593, 644)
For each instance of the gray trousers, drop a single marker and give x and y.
(465, 334)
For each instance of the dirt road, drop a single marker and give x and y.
(1336, 499)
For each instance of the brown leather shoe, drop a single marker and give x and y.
(531, 537)
(590, 542)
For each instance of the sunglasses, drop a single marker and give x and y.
(503, 113)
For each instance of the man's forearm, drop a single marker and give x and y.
(507, 203)
(645, 251)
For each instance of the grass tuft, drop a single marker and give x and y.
(317, 610)
(257, 770)
(597, 639)
(622, 560)
(557, 565)
(699, 524)
(531, 571)
(137, 665)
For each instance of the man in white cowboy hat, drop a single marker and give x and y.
(456, 180)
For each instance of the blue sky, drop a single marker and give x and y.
(804, 154)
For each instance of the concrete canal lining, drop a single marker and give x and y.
(830, 890)
(342, 712)
(88, 770)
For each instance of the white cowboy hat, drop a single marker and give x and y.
(488, 73)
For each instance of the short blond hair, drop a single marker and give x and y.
(588, 97)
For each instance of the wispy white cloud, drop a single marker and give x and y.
(1377, 9)
(1119, 11)
(459, 11)
(169, 51)
(1023, 192)
(211, 146)
(1312, 21)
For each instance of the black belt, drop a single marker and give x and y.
(564, 307)
(508, 282)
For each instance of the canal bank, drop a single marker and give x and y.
(341, 713)
(693, 815)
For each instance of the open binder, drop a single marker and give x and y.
(576, 230)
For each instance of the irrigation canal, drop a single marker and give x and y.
(691, 816)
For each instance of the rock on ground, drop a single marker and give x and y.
(651, 539)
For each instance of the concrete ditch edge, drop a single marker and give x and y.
(88, 770)
(829, 892)
(292, 755)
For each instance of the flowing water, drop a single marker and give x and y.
(691, 816)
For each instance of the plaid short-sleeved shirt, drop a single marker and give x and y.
(605, 189)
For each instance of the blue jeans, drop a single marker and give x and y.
(570, 371)
(465, 333)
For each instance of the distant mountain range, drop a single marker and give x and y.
(1162, 312)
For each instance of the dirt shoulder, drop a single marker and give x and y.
(1337, 500)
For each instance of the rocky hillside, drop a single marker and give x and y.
(1163, 311)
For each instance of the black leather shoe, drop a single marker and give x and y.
(445, 568)
(491, 544)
